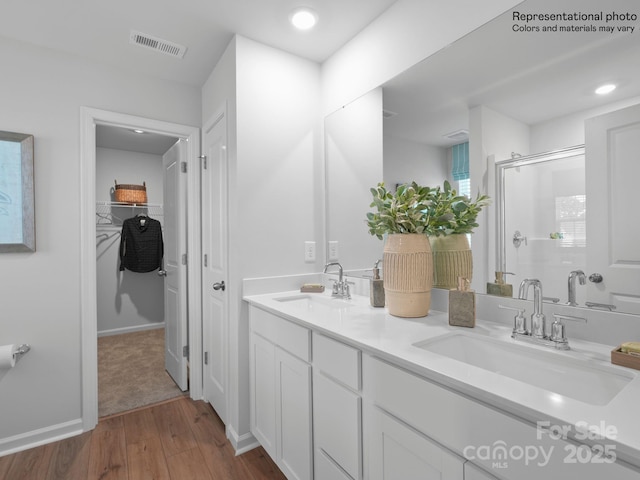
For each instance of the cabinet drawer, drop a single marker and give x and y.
(285, 334)
(337, 360)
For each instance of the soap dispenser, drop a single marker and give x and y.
(462, 305)
(376, 288)
(499, 287)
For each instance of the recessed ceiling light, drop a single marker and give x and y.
(604, 89)
(136, 130)
(303, 18)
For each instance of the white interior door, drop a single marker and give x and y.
(612, 173)
(175, 280)
(214, 249)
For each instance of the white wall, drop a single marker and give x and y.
(127, 301)
(407, 161)
(408, 32)
(40, 292)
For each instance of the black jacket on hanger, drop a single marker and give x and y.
(141, 246)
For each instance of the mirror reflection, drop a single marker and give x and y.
(545, 238)
(353, 149)
(503, 91)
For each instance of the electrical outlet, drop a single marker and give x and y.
(333, 250)
(309, 251)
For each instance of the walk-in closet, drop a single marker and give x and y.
(130, 295)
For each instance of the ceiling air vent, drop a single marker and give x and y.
(157, 44)
(461, 134)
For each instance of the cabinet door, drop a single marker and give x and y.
(337, 420)
(326, 469)
(263, 393)
(397, 452)
(471, 472)
(293, 414)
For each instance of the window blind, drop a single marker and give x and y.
(460, 167)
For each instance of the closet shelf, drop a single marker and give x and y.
(114, 213)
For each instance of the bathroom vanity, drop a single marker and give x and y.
(341, 390)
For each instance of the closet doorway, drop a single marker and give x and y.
(140, 307)
(157, 299)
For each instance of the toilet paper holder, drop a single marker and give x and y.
(21, 351)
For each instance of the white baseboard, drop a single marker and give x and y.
(241, 443)
(136, 328)
(42, 436)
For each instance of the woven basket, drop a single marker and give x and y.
(131, 193)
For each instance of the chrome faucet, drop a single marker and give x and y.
(340, 288)
(572, 285)
(537, 334)
(537, 318)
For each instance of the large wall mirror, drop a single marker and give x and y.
(540, 82)
(545, 238)
(353, 149)
(17, 222)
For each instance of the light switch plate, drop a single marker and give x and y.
(333, 250)
(309, 252)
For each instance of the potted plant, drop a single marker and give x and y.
(426, 241)
(404, 218)
(452, 218)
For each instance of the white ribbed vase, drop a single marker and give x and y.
(408, 274)
(451, 259)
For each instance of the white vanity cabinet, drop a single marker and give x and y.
(337, 410)
(280, 398)
(328, 409)
(418, 423)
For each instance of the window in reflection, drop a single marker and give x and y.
(571, 220)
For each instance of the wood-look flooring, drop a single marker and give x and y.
(177, 440)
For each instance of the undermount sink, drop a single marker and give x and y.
(313, 302)
(574, 378)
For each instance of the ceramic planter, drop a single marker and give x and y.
(451, 259)
(408, 274)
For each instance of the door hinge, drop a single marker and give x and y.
(185, 351)
(204, 161)
(184, 258)
(183, 167)
(205, 259)
(206, 358)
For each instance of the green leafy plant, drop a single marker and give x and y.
(452, 213)
(419, 209)
(405, 211)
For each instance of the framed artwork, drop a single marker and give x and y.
(17, 216)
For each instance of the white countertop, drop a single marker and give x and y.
(377, 332)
